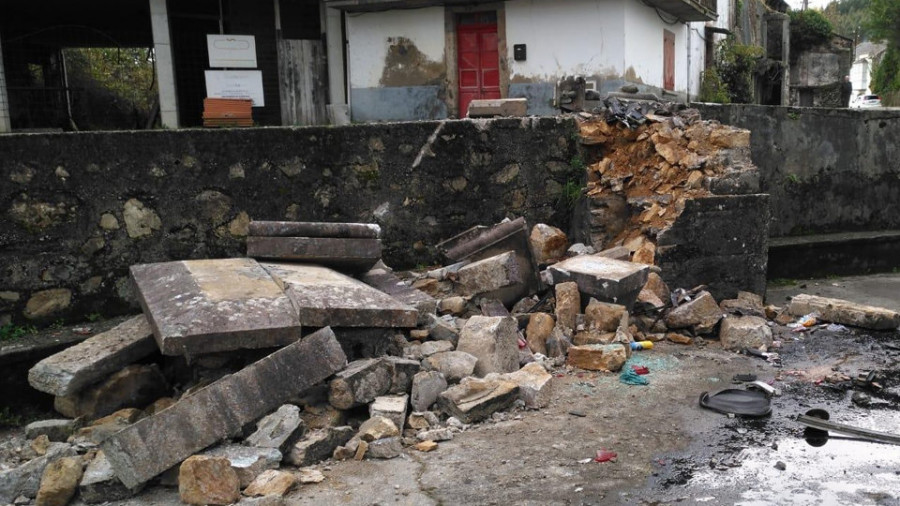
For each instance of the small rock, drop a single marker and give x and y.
(56, 430)
(452, 305)
(476, 399)
(360, 383)
(392, 407)
(548, 243)
(426, 387)
(386, 448)
(318, 445)
(422, 420)
(444, 434)
(558, 343)
(208, 480)
(740, 332)
(59, 482)
(540, 326)
(429, 348)
(568, 304)
(678, 338)
(377, 427)
(426, 446)
(454, 365)
(493, 340)
(781, 466)
(279, 430)
(311, 476)
(248, 462)
(702, 313)
(597, 357)
(271, 482)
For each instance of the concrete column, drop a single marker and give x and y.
(5, 125)
(334, 36)
(165, 65)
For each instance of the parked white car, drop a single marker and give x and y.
(865, 102)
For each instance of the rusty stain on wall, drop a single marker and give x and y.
(405, 65)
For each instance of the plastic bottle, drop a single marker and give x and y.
(642, 345)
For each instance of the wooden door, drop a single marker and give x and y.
(668, 60)
(478, 58)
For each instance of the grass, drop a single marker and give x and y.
(782, 282)
(10, 332)
(94, 317)
(571, 193)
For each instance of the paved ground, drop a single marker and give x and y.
(670, 451)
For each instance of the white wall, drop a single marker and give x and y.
(644, 45)
(860, 77)
(697, 43)
(571, 37)
(368, 43)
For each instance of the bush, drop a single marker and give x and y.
(735, 65)
(886, 73)
(809, 28)
(712, 89)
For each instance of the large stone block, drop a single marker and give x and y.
(392, 407)
(845, 312)
(360, 383)
(93, 359)
(476, 399)
(540, 326)
(205, 306)
(204, 480)
(387, 282)
(568, 304)
(278, 430)
(314, 229)
(702, 314)
(604, 317)
(220, 410)
(738, 332)
(497, 277)
(135, 386)
(548, 243)
(426, 387)
(597, 357)
(318, 445)
(454, 365)
(324, 297)
(493, 340)
(603, 278)
(352, 255)
(100, 484)
(535, 384)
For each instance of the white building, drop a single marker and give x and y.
(866, 55)
(425, 59)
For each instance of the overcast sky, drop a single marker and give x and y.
(798, 4)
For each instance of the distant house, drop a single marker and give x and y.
(817, 73)
(427, 59)
(867, 54)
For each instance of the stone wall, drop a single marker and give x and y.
(80, 208)
(826, 170)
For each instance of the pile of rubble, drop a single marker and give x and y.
(219, 387)
(651, 160)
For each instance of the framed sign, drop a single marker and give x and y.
(237, 51)
(235, 84)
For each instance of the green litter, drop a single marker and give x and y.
(629, 377)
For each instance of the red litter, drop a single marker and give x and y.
(604, 455)
(640, 370)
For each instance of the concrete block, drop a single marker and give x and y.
(568, 304)
(318, 445)
(323, 297)
(493, 341)
(360, 383)
(535, 384)
(248, 462)
(488, 108)
(278, 430)
(597, 357)
(548, 243)
(499, 277)
(387, 448)
(603, 278)
(404, 371)
(426, 387)
(100, 484)
(702, 314)
(315, 229)
(739, 332)
(56, 430)
(93, 359)
(845, 312)
(392, 407)
(135, 386)
(454, 365)
(476, 399)
(206, 306)
(387, 282)
(351, 255)
(220, 410)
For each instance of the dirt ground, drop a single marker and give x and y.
(670, 451)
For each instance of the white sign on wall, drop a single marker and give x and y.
(236, 51)
(235, 84)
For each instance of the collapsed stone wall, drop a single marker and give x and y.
(680, 193)
(80, 208)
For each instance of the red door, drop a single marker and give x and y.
(479, 58)
(668, 60)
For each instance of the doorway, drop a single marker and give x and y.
(478, 58)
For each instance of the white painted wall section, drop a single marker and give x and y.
(165, 65)
(5, 125)
(572, 37)
(334, 37)
(370, 35)
(644, 45)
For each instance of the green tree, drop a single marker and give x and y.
(884, 24)
(809, 28)
(735, 65)
(848, 17)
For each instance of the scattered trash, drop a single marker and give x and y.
(642, 345)
(579, 414)
(630, 377)
(743, 378)
(738, 402)
(764, 387)
(604, 455)
(836, 327)
(641, 369)
(781, 466)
